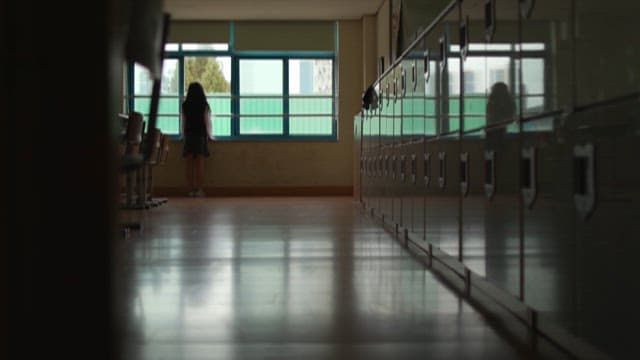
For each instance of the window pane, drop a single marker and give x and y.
(261, 106)
(221, 125)
(210, 47)
(171, 47)
(260, 77)
(310, 77)
(310, 125)
(310, 105)
(170, 77)
(261, 125)
(214, 73)
(168, 124)
(220, 114)
(142, 82)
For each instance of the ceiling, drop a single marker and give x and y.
(270, 9)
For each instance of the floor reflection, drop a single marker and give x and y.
(288, 278)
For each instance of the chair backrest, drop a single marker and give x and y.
(164, 150)
(134, 133)
(155, 136)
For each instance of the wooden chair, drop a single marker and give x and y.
(162, 155)
(131, 159)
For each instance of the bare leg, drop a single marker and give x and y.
(189, 172)
(199, 169)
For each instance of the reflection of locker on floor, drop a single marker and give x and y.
(532, 200)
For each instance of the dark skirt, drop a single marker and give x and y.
(195, 144)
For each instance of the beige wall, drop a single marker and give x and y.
(369, 50)
(384, 32)
(279, 164)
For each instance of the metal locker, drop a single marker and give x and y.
(433, 191)
(549, 246)
(430, 81)
(408, 142)
(397, 146)
(490, 95)
(472, 214)
(386, 129)
(607, 49)
(375, 133)
(604, 148)
(448, 201)
(501, 187)
(546, 50)
(365, 159)
(416, 97)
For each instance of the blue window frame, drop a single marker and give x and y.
(254, 95)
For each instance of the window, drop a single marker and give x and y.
(169, 107)
(214, 73)
(251, 95)
(261, 97)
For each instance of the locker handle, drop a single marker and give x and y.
(427, 169)
(529, 180)
(464, 173)
(442, 178)
(403, 82)
(414, 74)
(364, 166)
(443, 53)
(489, 173)
(464, 38)
(403, 168)
(395, 89)
(489, 19)
(526, 8)
(393, 167)
(385, 167)
(414, 169)
(584, 190)
(388, 92)
(380, 166)
(427, 69)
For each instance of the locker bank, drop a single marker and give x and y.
(528, 127)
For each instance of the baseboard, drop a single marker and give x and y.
(260, 191)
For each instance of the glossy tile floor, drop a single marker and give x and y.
(288, 278)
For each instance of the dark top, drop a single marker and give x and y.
(194, 118)
(195, 129)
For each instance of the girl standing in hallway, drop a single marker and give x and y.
(195, 126)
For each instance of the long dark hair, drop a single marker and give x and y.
(196, 101)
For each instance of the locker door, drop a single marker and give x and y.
(365, 161)
(397, 147)
(408, 141)
(386, 126)
(546, 56)
(418, 99)
(431, 65)
(604, 150)
(375, 133)
(548, 220)
(607, 50)
(490, 213)
(443, 196)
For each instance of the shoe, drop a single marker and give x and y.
(199, 193)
